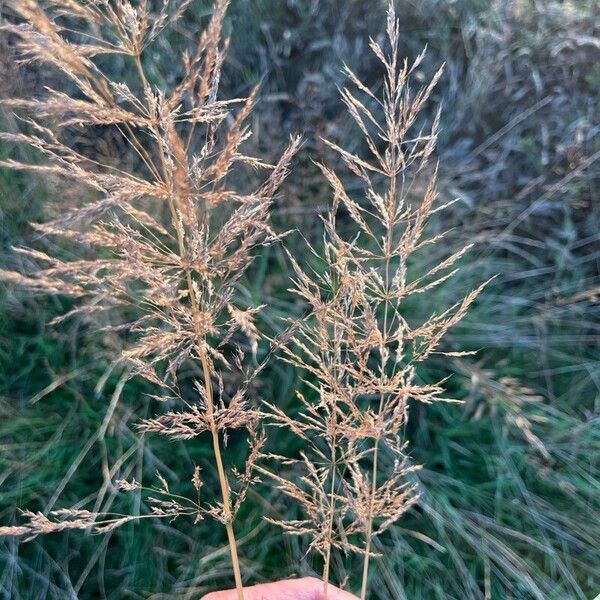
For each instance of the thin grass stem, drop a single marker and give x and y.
(222, 480)
(330, 523)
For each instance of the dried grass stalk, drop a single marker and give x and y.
(168, 239)
(358, 346)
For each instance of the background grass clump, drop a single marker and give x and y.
(511, 478)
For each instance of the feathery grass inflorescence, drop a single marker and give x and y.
(165, 235)
(358, 346)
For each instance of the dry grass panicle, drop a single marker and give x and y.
(167, 234)
(359, 349)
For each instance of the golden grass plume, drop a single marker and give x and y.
(165, 236)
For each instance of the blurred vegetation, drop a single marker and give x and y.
(511, 477)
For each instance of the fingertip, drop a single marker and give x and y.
(310, 582)
(314, 586)
(216, 596)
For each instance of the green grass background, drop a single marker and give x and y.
(510, 481)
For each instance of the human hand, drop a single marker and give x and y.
(307, 588)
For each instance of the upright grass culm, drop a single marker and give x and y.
(164, 236)
(358, 346)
